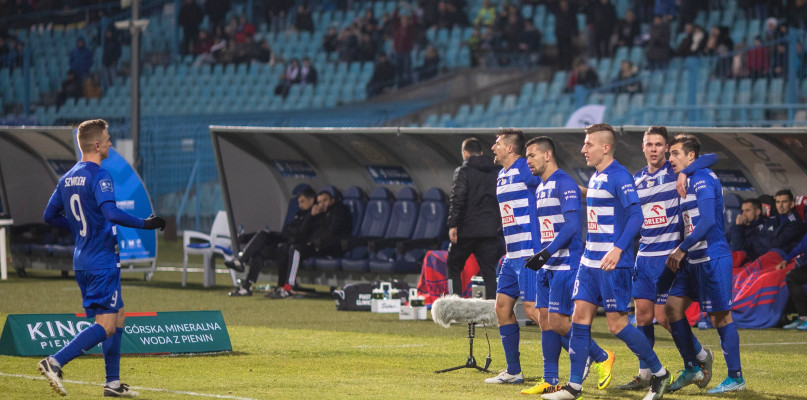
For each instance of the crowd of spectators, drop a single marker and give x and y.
(503, 37)
(649, 24)
(234, 42)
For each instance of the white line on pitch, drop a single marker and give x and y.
(217, 396)
(387, 347)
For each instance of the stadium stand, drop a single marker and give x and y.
(726, 83)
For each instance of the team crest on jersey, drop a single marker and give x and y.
(507, 215)
(592, 221)
(106, 185)
(650, 184)
(654, 214)
(547, 229)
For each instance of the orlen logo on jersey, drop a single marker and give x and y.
(687, 223)
(592, 221)
(547, 229)
(654, 214)
(507, 215)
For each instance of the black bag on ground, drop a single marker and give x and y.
(353, 297)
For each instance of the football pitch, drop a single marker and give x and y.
(305, 349)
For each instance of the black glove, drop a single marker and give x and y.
(538, 260)
(153, 222)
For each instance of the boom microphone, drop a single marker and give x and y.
(454, 309)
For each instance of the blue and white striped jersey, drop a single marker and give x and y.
(515, 190)
(704, 184)
(554, 197)
(610, 193)
(661, 230)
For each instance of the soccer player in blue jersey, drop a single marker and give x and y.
(706, 276)
(660, 233)
(515, 191)
(84, 203)
(558, 208)
(605, 274)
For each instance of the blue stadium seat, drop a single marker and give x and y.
(509, 103)
(528, 89)
(776, 92)
(495, 104)
(540, 91)
(429, 232)
(402, 223)
(431, 121)
(732, 207)
(462, 114)
(374, 224)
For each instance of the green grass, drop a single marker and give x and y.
(303, 348)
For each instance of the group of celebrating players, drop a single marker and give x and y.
(675, 205)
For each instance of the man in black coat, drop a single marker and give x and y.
(190, 16)
(473, 218)
(565, 32)
(383, 76)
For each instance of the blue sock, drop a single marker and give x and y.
(682, 336)
(649, 332)
(550, 347)
(111, 348)
(639, 345)
(578, 351)
(596, 353)
(510, 338)
(84, 341)
(730, 342)
(564, 340)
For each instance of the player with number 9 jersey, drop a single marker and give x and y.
(81, 192)
(84, 203)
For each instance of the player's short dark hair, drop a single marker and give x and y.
(89, 132)
(603, 127)
(515, 136)
(753, 202)
(472, 145)
(543, 142)
(325, 191)
(308, 193)
(688, 142)
(785, 192)
(657, 130)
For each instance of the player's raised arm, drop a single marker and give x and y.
(704, 161)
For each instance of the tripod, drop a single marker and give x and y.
(471, 362)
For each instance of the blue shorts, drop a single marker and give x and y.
(516, 280)
(610, 289)
(708, 283)
(645, 278)
(555, 290)
(100, 291)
